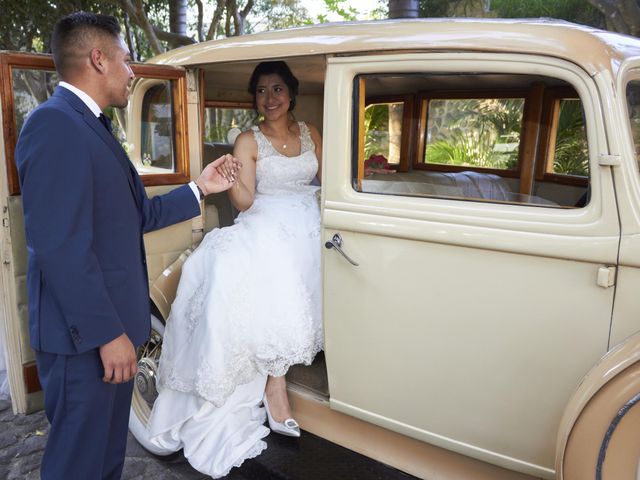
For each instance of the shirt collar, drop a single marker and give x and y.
(88, 101)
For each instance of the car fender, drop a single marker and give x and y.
(598, 416)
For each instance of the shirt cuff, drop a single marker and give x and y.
(194, 189)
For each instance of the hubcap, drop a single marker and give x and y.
(146, 380)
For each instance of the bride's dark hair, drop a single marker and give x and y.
(280, 68)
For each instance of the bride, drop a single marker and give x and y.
(248, 303)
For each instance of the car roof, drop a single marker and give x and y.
(593, 49)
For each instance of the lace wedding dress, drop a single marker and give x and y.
(248, 306)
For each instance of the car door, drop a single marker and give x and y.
(153, 129)
(468, 320)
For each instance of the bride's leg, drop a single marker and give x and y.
(276, 392)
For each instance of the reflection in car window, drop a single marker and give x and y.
(157, 128)
(31, 87)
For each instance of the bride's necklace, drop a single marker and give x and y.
(284, 143)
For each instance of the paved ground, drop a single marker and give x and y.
(22, 440)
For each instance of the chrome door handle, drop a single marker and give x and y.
(336, 242)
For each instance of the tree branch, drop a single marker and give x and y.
(609, 8)
(139, 17)
(215, 21)
(174, 39)
(129, 37)
(200, 20)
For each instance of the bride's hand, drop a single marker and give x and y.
(230, 168)
(219, 175)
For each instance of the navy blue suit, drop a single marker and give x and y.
(85, 212)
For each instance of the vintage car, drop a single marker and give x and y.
(480, 234)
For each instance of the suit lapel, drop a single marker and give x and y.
(94, 123)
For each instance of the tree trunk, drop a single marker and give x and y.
(403, 8)
(621, 15)
(178, 17)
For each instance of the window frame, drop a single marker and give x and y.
(546, 145)
(176, 75)
(534, 133)
(178, 80)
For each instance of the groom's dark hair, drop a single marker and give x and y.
(75, 35)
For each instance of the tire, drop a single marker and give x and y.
(603, 444)
(144, 388)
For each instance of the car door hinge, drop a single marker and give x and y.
(606, 276)
(609, 160)
(5, 252)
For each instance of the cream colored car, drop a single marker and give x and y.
(481, 234)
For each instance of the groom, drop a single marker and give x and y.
(85, 212)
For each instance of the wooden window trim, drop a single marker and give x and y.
(406, 140)
(226, 104)
(178, 78)
(422, 106)
(458, 168)
(361, 97)
(10, 61)
(549, 126)
(530, 135)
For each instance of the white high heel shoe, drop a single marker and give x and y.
(289, 427)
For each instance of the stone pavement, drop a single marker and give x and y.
(23, 437)
(22, 440)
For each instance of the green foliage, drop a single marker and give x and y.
(276, 14)
(578, 11)
(27, 25)
(218, 122)
(376, 119)
(571, 152)
(347, 13)
(481, 133)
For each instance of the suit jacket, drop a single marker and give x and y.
(85, 212)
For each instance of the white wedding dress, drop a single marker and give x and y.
(248, 306)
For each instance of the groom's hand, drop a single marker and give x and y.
(219, 175)
(119, 360)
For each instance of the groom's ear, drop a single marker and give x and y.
(97, 59)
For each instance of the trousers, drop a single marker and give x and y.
(89, 418)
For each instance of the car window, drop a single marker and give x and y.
(148, 139)
(482, 132)
(633, 108)
(502, 138)
(31, 87)
(222, 122)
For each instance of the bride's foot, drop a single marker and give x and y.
(276, 394)
(278, 410)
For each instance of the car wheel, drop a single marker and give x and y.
(603, 444)
(144, 387)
